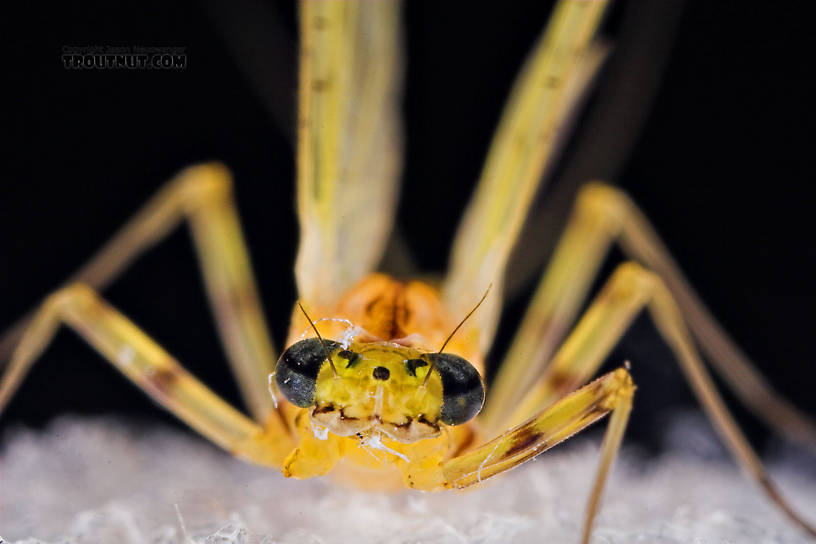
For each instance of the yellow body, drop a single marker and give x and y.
(374, 434)
(388, 322)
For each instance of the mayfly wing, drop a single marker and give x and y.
(524, 142)
(349, 142)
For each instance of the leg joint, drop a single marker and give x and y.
(631, 277)
(624, 388)
(72, 295)
(605, 200)
(204, 182)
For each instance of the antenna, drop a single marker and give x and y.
(322, 342)
(459, 326)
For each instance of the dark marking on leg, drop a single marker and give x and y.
(163, 379)
(526, 439)
(597, 412)
(561, 381)
(320, 23)
(320, 85)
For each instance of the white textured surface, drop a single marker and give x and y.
(103, 481)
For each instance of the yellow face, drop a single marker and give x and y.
(379, 386)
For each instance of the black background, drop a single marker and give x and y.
(723, 167)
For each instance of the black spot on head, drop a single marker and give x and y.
(412, 364)
(298, 368)
(351, 357)
(381, 373)
(462, 388)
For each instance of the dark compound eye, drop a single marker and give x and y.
(298, 368)
(462, 388)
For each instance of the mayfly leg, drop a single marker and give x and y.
(630, 290)
(147, 365)
(202, 195)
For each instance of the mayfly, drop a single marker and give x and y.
(374, 363)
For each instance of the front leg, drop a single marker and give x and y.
(316, 453)
(147, 365)
(201, 195)
(604, 216)
(611, 393)
(630, 290)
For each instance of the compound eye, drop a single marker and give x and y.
(298, 367)
(462, 388)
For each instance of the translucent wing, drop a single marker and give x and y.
(519, 155)
(349, 142)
